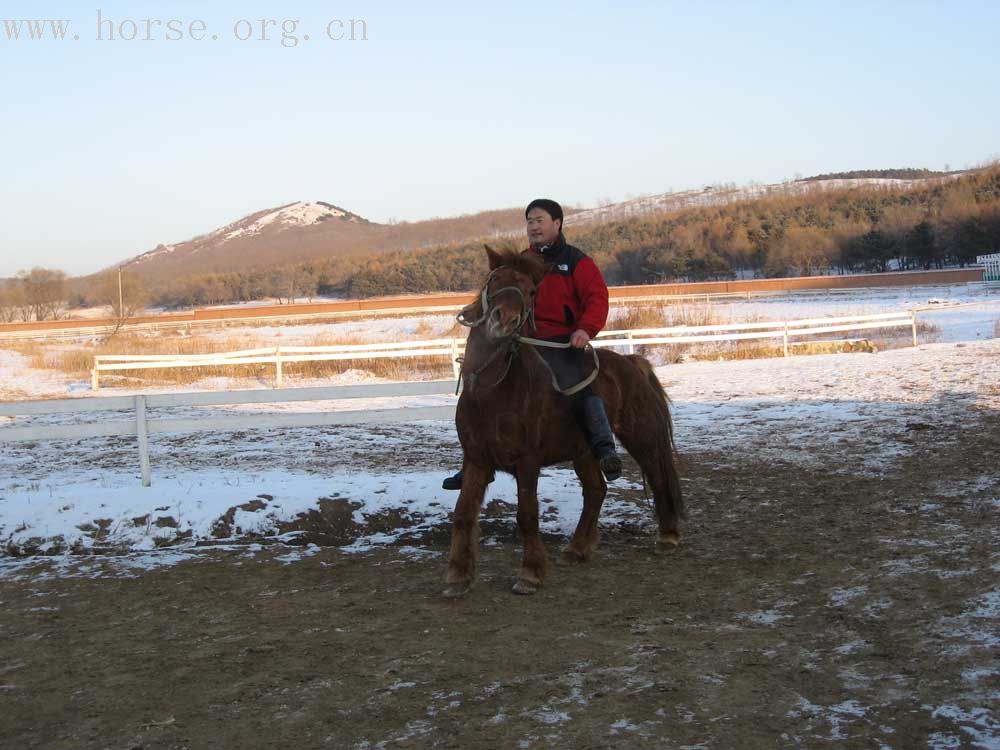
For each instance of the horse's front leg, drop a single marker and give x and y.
(465, 531)
(533, 565)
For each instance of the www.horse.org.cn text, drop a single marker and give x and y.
(288, 32)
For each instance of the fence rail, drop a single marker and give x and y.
(786, 330)
(619, 296)
(141, 426)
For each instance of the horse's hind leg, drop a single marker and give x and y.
(584, 540)
(465, 531)
(533, 565)
(656, 460)
(667, 499)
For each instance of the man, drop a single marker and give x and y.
(571, 306)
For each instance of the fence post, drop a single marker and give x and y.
(913, 321)
(277, 367)
(454, 359)
(94, 377)
(786, 338)
(143, 435)
(631, 346)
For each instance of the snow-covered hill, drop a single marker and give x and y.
(272, 220)
(715, 195)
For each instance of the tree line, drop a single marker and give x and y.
(856, 230)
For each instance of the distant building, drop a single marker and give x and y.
(991, 267)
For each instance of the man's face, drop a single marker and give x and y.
(542, 228)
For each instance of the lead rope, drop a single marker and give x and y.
(556, 345)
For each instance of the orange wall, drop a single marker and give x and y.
(906, 278)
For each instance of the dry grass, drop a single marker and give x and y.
(662, 316)
(77, 360)
(830, 343)
(424, 330)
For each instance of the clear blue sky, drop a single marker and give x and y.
(111, 147)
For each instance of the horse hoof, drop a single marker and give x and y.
(524, 587)
(667, 544)
(456, 590)
(571, 556)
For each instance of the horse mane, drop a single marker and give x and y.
(534, 268)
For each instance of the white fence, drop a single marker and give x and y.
(141, 425)
(991, 267)
(786, 330)
(617, 301)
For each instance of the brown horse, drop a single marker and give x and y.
(511, 418)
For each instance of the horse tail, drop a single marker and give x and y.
(665, 424)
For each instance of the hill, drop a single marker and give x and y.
(834, 225)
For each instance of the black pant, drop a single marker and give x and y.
(571, 366)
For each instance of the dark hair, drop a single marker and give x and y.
(548, 205)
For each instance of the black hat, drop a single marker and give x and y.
(548, 205)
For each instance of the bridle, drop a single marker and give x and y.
(527, 315)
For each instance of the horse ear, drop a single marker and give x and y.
(495, 259)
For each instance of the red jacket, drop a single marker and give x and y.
(572, 296)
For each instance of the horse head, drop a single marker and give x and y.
(507, 299)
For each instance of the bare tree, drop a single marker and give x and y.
(802, 250)
(12, 304)
(44, 292)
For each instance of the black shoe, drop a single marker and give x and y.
(611, 467)
(454, 482)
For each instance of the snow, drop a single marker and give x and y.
(19, 381)
(980, 724)
(296, 214)
(56, 491)
(51, 490)
(377, 330)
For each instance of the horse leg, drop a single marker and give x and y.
(667, 500)
(533, 564)
(465, 531)
(584, 540)
(657, 462)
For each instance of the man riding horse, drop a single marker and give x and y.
(571, 306)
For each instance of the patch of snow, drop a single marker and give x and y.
(840, 597)
(838, 716)
(623, 725)
(296, 214)
(551, 717)
(979, 723)
(765, 617)
(851, 647)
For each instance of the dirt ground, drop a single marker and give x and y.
(805, 608)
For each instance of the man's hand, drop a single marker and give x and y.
(579, 339)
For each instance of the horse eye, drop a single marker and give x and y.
(533, 292)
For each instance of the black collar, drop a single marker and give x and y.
(552, 250)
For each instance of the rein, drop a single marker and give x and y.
(527, 314)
